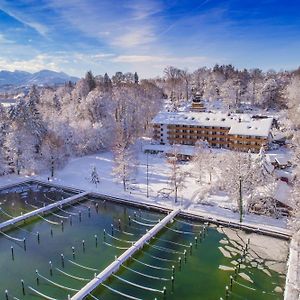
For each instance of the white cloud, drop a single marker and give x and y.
(26, 20)
(72, 63)
(135, 37)
(129, 24)
(159, 59)
(4, 40)
(144, 9)
(39, 62)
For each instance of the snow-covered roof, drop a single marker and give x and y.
(281, 159)
(285, 174)
(257, 127)
(282, 193)
(239, 124)
(8, 102)
(279, 136)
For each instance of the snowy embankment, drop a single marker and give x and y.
(292, 286)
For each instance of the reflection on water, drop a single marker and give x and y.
(184, 261)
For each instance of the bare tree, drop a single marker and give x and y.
(186, 76)
(201, 158)
(236, 177)
(124, 163)
(173, 77)
(177, 176)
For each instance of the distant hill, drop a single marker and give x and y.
(11, 80)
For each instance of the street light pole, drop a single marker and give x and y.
(147, 176)
(241, 200)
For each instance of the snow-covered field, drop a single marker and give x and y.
(77, 174)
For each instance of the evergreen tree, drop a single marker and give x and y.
(32, 118)
(136, 78)
(263, 167)
(89, 77)
(107, 83)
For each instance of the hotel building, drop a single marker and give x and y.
(240, 132)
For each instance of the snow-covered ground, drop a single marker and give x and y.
(77, 174)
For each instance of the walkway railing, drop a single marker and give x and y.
(114, 266)
(41, 210)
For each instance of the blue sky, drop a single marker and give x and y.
(145, 36)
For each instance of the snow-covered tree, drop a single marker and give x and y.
(124, 162)
(263, 169)
(292, 94)
(4, 168)
(294, 221)
(236, 178)
(228, 94)
(186, 77)
(201, 158)
(177, 176)
(54, 152)
(173, 80)
(118, 78)
(90, 79)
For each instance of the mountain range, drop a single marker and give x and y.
(24, 79)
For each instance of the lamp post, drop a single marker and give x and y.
(240, 199)
(147, 176)
(52, 166)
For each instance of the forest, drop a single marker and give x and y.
(49, 125)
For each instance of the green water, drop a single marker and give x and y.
(50, 248)
(25, 197)
(198, 278)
